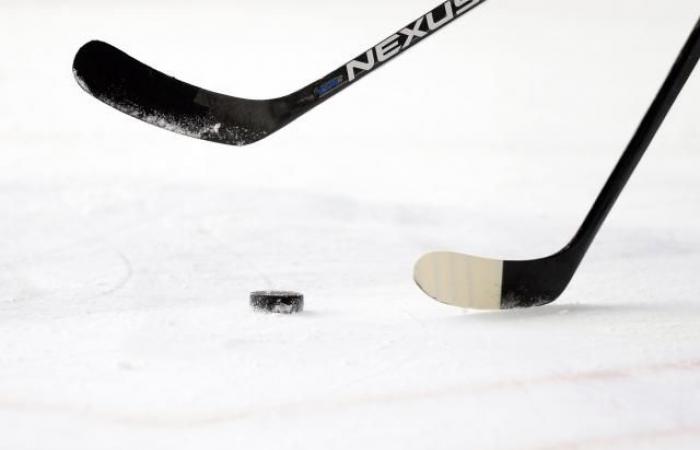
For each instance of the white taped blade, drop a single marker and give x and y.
(461, 280)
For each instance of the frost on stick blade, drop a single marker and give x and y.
(133, 88)
(83, 85)
(191, 126)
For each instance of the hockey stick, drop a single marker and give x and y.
(142, 92)
(480, 283)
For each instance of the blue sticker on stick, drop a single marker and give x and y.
(328, 86)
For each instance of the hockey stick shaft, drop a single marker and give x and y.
(389, 48)
(676, 80)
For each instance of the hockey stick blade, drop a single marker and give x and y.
(480, 283)
(132, 87)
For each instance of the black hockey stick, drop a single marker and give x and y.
(119, 80)
(480, 283)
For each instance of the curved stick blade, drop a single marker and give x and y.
(133, 88)
(461, 280)
(473, 282)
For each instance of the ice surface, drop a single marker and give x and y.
(127, 253)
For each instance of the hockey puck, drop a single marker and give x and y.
(278, 302)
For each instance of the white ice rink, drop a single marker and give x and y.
(127, 253)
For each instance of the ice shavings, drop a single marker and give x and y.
(81, 82)
(198, 127)
(193, 126)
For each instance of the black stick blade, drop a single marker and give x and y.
(131, 87)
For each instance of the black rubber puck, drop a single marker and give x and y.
(279, 302)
